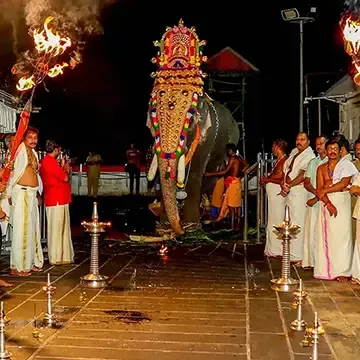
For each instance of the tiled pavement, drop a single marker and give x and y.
(194, 303)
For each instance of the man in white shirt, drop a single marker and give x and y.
(293, 189)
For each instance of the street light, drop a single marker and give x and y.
(293, 16)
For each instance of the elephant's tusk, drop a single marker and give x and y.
(153, 168)
(181, 172)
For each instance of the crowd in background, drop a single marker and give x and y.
(322, 193)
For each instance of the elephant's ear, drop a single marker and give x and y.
(149, 123)
(204, 118)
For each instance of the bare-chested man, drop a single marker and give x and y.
(333, 247)
(276, 203)
(24, 192)
(233, 173)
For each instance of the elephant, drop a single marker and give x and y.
(217, 128)
(191, 130)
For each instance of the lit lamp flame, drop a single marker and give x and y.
(351, 33)
(48, 45)
(163, 251)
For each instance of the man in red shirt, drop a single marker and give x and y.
(57, 197)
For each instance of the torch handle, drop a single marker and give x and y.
(23, 124)
(20, 132)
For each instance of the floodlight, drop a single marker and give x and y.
(290, 14)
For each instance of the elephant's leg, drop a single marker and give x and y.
(191, 210)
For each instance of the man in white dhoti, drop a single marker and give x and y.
(276, 203)
(292, 188)
(57, 197)
(24, 191)
(4, 202)
(3, 214)
(333, 247)
(355, 268)
(312, 203)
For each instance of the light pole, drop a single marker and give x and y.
(293, 16)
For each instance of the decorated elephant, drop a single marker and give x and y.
(190, 129)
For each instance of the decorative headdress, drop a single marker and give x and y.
(178, 83)
(180, 48)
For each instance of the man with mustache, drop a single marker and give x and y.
(24, 191)
(292, 188)
(312, 203)
(356, 161)
(354, 197)
(333, 234)
(344, 147)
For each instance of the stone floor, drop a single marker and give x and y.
(200, 302)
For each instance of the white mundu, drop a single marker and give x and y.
(334, 246)
(5, 206)
(311, 214)
(60, 247)
(276, 213)
(26, 250)
(297, 197)
(355, 268)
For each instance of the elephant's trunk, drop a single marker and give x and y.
(168, 188)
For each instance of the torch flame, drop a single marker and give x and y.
(351, 33)
(25, 83)
(48, 42)
(48, 45)
(57, 70)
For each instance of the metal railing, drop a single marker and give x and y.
(262, 165)
(6, 238)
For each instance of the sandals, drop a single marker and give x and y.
(19, 273)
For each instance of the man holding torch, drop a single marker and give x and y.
(24, 191)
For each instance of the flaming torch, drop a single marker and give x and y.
(351, 33)
(48, 46)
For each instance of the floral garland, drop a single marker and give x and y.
(189, 114)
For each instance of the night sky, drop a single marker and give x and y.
(102, 104)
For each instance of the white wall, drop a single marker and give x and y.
(110, 184)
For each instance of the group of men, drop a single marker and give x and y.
(321, 192)
(30, 183)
